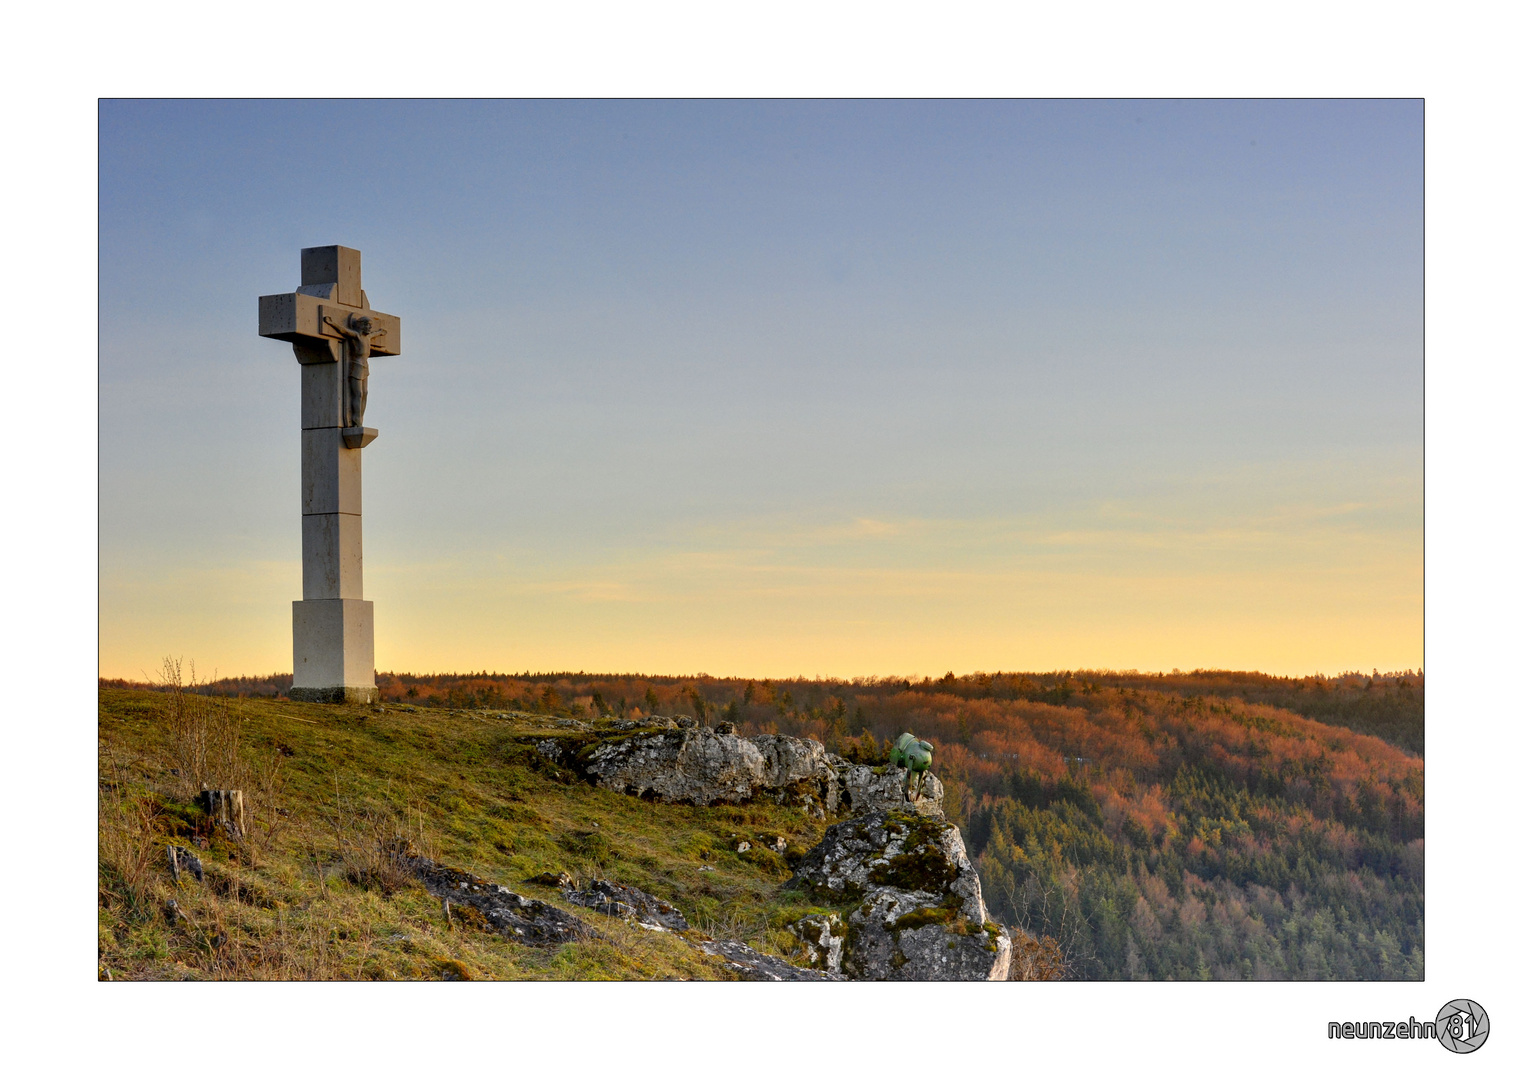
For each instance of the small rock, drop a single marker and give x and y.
(744, 845)
(724, 727)
(181, 859)
(686, 722)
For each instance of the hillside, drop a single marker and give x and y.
(308, 896)
(1154, 833)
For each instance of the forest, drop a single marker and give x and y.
(1201, 825)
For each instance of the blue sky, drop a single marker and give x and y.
(780, 387)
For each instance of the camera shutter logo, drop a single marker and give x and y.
(1463, 1026)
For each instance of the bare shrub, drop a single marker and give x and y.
(205, 736)
(128, 849)
(207, 751)
(1034, 959)
(375, 842)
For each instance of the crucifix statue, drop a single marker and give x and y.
(357, 331)
(334, 333)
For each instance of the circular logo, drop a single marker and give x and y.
(1463, 1026)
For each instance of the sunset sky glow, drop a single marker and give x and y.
(780, 388)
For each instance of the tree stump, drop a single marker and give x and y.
(225, 808)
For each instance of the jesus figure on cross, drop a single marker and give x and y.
(357, 335)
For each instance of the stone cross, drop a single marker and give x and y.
(332, 329)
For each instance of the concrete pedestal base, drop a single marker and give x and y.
(338, 695)
(334, 650)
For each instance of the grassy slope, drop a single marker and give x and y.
(306, 899)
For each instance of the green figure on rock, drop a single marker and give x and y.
(914, 756)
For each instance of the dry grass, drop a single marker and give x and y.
(332, 794)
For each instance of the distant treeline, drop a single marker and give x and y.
(1388, 706)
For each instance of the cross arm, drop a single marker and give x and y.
(298, 318)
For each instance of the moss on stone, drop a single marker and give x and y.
(940, 915)
(925, 869)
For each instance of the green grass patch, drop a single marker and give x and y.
(328, 787)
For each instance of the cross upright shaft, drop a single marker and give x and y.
(332, 330)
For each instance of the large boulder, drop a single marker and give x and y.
(704, 766)
(915, 907)
(868, 788)
(890, 848)
(921, 936)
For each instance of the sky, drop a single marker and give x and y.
(781, 387)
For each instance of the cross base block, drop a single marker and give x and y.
(334, 647)
(337, 695)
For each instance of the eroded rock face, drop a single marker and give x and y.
(921, 936)
(869, 788)
(627, 902)
(889, 848)
(703, 766)
(918, 909)
(753, 966)
(823, 937)
(517, 918)
(685, 763)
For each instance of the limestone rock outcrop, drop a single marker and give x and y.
(889, 848)
(917, 905)
(627, 902)
(517, 918)
(677, 761)
(868, 788)
(703, 766)
(823, 937)
(917, 935)
(753, 966)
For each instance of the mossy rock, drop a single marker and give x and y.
(945, 914)
(925, 870)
